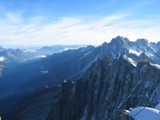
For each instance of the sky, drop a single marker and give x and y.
(29, 23)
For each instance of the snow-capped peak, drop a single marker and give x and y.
(119, 40)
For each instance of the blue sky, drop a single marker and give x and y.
(27, 23)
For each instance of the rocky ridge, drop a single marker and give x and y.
(122, 74)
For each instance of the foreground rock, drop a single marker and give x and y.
(141, 113)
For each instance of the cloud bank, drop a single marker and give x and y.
(15, 30)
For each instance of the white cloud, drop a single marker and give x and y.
(14, 18)
(38, 30)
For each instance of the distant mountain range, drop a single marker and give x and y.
(89, 83)
(20, 55)
(49, 50)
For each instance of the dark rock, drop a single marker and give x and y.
(106, 89)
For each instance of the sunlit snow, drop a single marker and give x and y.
(41, 56)
(145, 113)
(130, 60)
(134, 52)
(155, 65)
(2, 59)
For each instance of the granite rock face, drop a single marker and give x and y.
(107, 88)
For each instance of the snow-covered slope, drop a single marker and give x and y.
(130, 60)
(145, 113)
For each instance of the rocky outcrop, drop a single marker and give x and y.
(108, 87)
(125, 116)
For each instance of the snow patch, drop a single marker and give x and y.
(149, 54)
(155, 65)
(25, 51)
(147, 84)
(130, 60)
(86, 54)
(2, 59)
(65, 81)
(65, 49)
(46, 86)
(41, 56)
(145, 113)
(153, 48)
(132, 51)
(44, 72)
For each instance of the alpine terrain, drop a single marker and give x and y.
(89, 83)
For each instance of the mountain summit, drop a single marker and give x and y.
(90, 83)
